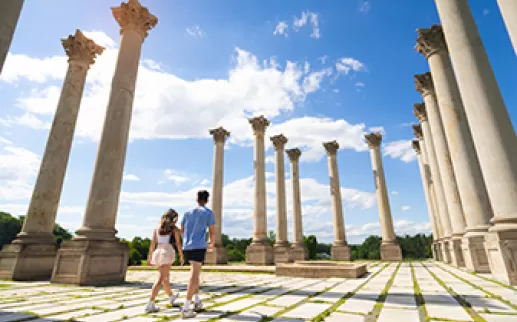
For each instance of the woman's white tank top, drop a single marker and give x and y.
(162, 239)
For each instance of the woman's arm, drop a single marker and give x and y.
(152, 247)
(178, 245)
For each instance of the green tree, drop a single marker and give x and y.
(311, 243)
(271, 237)
(9, 228)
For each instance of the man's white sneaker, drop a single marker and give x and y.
(151, 307)
(173, 298)
(198, 307)
(187, 314)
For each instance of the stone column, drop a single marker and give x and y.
(298, 249)
(423, 133)
(219, 255)
(9, 14)
(509, 12)
(492, 131)
(390, 249)
(281, 247)
(260, 252)
(31, 255)
(95, 255)
(424, 84)
(471, 185)
(340, 249)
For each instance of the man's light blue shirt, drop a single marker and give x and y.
(195, 222)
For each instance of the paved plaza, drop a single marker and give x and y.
(417, 291)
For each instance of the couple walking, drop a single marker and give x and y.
(162, 253)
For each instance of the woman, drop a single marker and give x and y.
(162, 255)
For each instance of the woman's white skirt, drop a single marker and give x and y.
(164, 254)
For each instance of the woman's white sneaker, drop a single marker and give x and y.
(187, 314)
(173, 298)
(151, 307)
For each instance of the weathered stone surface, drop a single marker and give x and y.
(321, 269)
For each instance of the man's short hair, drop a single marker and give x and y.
(202, 196)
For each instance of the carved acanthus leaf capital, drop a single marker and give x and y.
(259, 124)
(279, 141)
(430, 41)
(424, 84)
(132, 16)
(416, 146)
(417, 130)
(419, 111)
(331, 147)
(81, 49)
(373, 139)
(294, 154)
(219, 134)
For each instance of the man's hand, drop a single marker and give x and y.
(182, 260)
(211, 247)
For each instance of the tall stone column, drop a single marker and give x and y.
(390, 249)
(219, 255)
(423, 133)
(31, 256)
(95, 255)
(299, 251)
(424, 84)
(340, 249)
(259, 252)
(9, 14)
(471, 185)
(509, 12)
(492, 131)
(282, 247)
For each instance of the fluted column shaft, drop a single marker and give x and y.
(9, 14)
(279, 142)
(509, 12)
(41, 215)
(219, 136)
(335, 192)
(294, 155)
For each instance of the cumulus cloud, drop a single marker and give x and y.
(308, 17)
(281, 29)
(402, 150)
(195, 31)
(18, 170)
(130, 177)
(175, 177)
(347, 64)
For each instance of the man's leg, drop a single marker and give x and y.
(195, 268)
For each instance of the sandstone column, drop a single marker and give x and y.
(492, 131)
(509, 12)
(424, 84)
(340, 249)
(32, 254)
(390, 249)
(471, 185)
(282, 248)
(219, 255)
(95, 255)
(299, 251)
(423, 133)
(9, 14)
(260, 252)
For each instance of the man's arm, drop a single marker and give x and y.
(211, 232)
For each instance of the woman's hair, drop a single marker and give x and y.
(168, 222)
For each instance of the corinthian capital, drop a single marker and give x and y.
(132, 16)
(259, 124)
(424, 84)
(416, 146)
(81, 49)
(219, 134)
(331, 147)
(417, 130)
(419, 111)
(293, 154)
(430, 41)
(373, 139)
(279, 141)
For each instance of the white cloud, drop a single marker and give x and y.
(402, 227)
(405, 208)
(402, 150)
(323, 59)
(205, 182)
(100, 38)
(5, 141)
(347, 64)
(173, 176)
(308, 17)
(364, 6)
(394, 193)
(18, 169)
(360, 84)
(195, 31)
(312, 82)
(281, 29)
(131, 177)
(377, 129)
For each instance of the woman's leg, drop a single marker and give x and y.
(156, 286)
(164, 272)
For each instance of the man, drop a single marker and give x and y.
(193, 229)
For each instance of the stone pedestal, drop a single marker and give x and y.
(474, 252)
(219, 256)
(340, 252)
(456, 252)
(299, 252)
(9, 14)
(90, 262)
(501, 247)
(282, 253)
(391, 252)
(259, 253)
(27, 262)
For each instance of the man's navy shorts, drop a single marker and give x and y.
(195, 255)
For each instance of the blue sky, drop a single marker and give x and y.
(318, 70)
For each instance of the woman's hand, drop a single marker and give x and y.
(149, 261)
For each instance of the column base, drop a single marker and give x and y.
(27, 262)
(446, 252)
(299, 252)
(219, 256)
(391, 252)
(438, 248)
(501, 248)
(259, 253)
(282, 253)
(474, 253)
(340, 252)
(91, 262)
(456, 252)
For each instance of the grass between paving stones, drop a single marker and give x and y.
(382, 297)
(466, 305)
(420, 302)
(485, 278)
